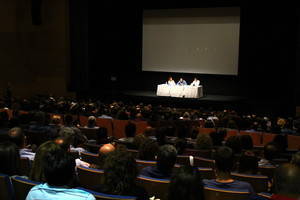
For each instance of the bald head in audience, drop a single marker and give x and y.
(106, 148)
(287, 181)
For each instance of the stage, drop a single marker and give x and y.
(207, 101)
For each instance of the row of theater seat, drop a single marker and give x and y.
(205, 166)
(18, 188)
(116, 129)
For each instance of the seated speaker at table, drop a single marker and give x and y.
(170, 82)
(196, 82)
(181, 82)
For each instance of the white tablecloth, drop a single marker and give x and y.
(180, 91)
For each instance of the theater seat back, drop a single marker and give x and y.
(212, 193)
(6, 188)
(22, 187)
(155, 187)
(102, 196)
(89, 177)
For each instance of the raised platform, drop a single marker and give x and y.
(216, 101)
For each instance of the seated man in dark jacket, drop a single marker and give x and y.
(166, 159)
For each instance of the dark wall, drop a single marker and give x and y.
(267, 51)
(79, 46)
(34, 47)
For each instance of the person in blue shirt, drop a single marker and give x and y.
(59, 171)
(224, 163)
(181, 82)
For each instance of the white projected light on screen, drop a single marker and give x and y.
(204, 40)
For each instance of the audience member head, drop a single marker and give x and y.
(91, 122)
(67, 133)
(78, 139)
(166, 158)
(130, 129)
(59, 168)
(296, 159)
(148, 150)
(183, 131)
(270, 151)
(232, 124)
(287, 181)
(194, 132)
(281, 142)
(248, 163)
(4, 117)
(186, 116)
(246, 142)
(217, 137)
(149, 131)
(102, 136)
(281, 122)
(138, 141)
(17, 136)
(68, 120)
(40, 118)
(209, 124)
(10, 159)
(234, 143)
(120, 172)
(204, 142)
(186, 184)
(106, 148)
(224, 160)
(56, 119)
(63, 142)
(161, 135)
(37, 169)
(180, 145)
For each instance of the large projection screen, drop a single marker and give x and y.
(201, 40)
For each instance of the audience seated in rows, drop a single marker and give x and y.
(218, 137)
(270, 153)
(59, 172)
(203, 142)
(64, 143)
(102, 136)
(148, 150)
(120, 173)
(287, 182)
(17, 136)
(166, 159)
(75, 138)
(130, 131)
(186, 184)
(10, 159)
(37, 169)
(138, 141)
(248, 163)
(41, 125)
(104, 150)
(296, 159)
(224, 164)
(91, 122)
